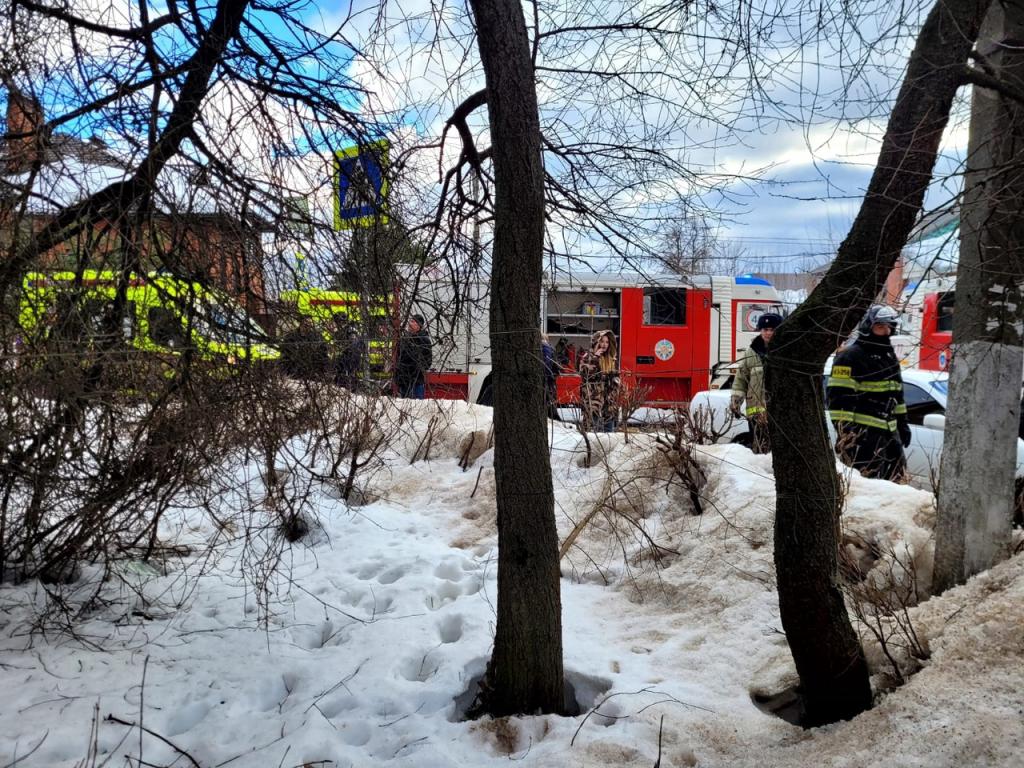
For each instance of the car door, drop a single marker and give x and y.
(926, 442)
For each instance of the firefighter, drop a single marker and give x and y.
(600, 383)
(865, 399)
(414, 358)
(749, 384)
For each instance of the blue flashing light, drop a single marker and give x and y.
(751, 280)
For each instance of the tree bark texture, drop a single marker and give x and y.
(525, 673)
(979, 456)
(829, 659)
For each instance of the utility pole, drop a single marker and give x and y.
(979, 458)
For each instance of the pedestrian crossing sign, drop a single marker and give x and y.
(360, 185)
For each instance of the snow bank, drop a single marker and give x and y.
(375, 626)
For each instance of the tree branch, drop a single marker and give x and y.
(972, 76)
(458, 119)
(137, 33)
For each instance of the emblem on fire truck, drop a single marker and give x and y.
(664, 349)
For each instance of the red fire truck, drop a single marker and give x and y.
(673, 335)
(926, 332)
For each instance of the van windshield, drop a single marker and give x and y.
(222, 320)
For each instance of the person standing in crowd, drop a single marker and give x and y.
(599, 390)
(550, 376)
(749, 384)
(414, 358)
(865, 399)
(304, 353)
(562, 353)
(349, 362)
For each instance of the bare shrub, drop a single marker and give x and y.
(353, 437)
(628, 401)
(880, 590)
(614, 532)
(686, 431)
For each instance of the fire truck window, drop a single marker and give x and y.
(944, 321)
(919, 403)
(165, 328)
(664, 306)
(749, 314)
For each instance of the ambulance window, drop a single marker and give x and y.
(165, 328)
(664, 306)
(944, 321)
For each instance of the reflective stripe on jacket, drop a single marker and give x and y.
(749, 380)
(865, 386)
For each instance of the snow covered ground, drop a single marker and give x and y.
(378, 620)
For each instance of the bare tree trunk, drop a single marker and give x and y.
(979, 457)
(525, 672)
(827, 653)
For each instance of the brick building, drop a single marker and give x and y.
(194, 229)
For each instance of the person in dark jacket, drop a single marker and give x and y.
(349, 362)
(562, 353)
(865, 399)
(550, 376)
(304, 353)
(414, 358)
(748, 385)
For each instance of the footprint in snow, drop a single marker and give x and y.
(318, 636)
(367, 571)
(446, 592)
(354, 597)
(450, 628)
(355, 733)
(392, 575)
(419, 669)
(376, 605)
(449, 570)
(334, 705)
(186, 717)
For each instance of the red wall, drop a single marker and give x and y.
(934, 355)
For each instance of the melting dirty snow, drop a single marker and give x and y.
(361, 647)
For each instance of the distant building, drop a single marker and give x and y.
(195, 230)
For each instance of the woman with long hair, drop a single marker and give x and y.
(599, 371)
